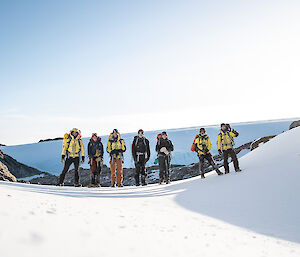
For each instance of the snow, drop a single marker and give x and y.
(46, 156)
(252, 213)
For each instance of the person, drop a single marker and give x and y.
(95, 152)
(225, 143)
(141, 155)
(164, 147)
(72, 149)
(202, 147)
(116, 147)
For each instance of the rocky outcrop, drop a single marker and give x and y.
(295, 124)
(18, 169)
(50, 139)
(260, 141)
(5, 174)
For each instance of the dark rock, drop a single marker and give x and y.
(259, 141)
(50, 139)
(295, 124)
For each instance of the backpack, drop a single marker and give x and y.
(193, 147)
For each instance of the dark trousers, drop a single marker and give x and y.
(232, 154)
(210, 160)
(68, 163)
(164, 167)
(96, 168)
(140, 169)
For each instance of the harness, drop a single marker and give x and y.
(141, 153)
(230, 137)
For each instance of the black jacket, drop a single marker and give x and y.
(93, 146)
(140, 145)
(164, 143)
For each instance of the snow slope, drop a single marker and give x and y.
(46, 156)
(252, 213)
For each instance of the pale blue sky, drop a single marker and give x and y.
(97, 65)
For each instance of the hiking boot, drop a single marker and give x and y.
(219, 172)
(238, 170)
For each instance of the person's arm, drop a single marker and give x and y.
(102, 150)
(171, 146)
(81, 148)
(108, 147)
(208, 144)
(133, 149)
(123, 145)
(219, 142)
(234, 133)
(89, 149)
(148, 149)
(157, 147)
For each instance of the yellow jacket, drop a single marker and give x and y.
(225, 140)
(203, 144)
(115, 147)
(72, 147)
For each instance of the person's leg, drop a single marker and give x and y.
(120, 172)
(93, 170)
(137, 174)
(98, 173)
(68, 163)
(143, 170)
(167, 161)
(201, 165)
(76, 172)
(226, 166)
(162, 166)
(113, 172)
(213, 164)
(235, 160)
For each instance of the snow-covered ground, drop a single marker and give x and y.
(46, 156)
(252, 213)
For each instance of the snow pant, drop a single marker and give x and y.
(116, 168)
(210, 160)
(232, 154)
(96, 168)
(164, 167)
(140, 169)
(68, 163)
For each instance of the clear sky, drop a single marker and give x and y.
(99, 65)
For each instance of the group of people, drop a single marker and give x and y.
(73, 153)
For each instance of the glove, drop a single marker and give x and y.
(220, 152)
(82, 159)
(62, 158)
